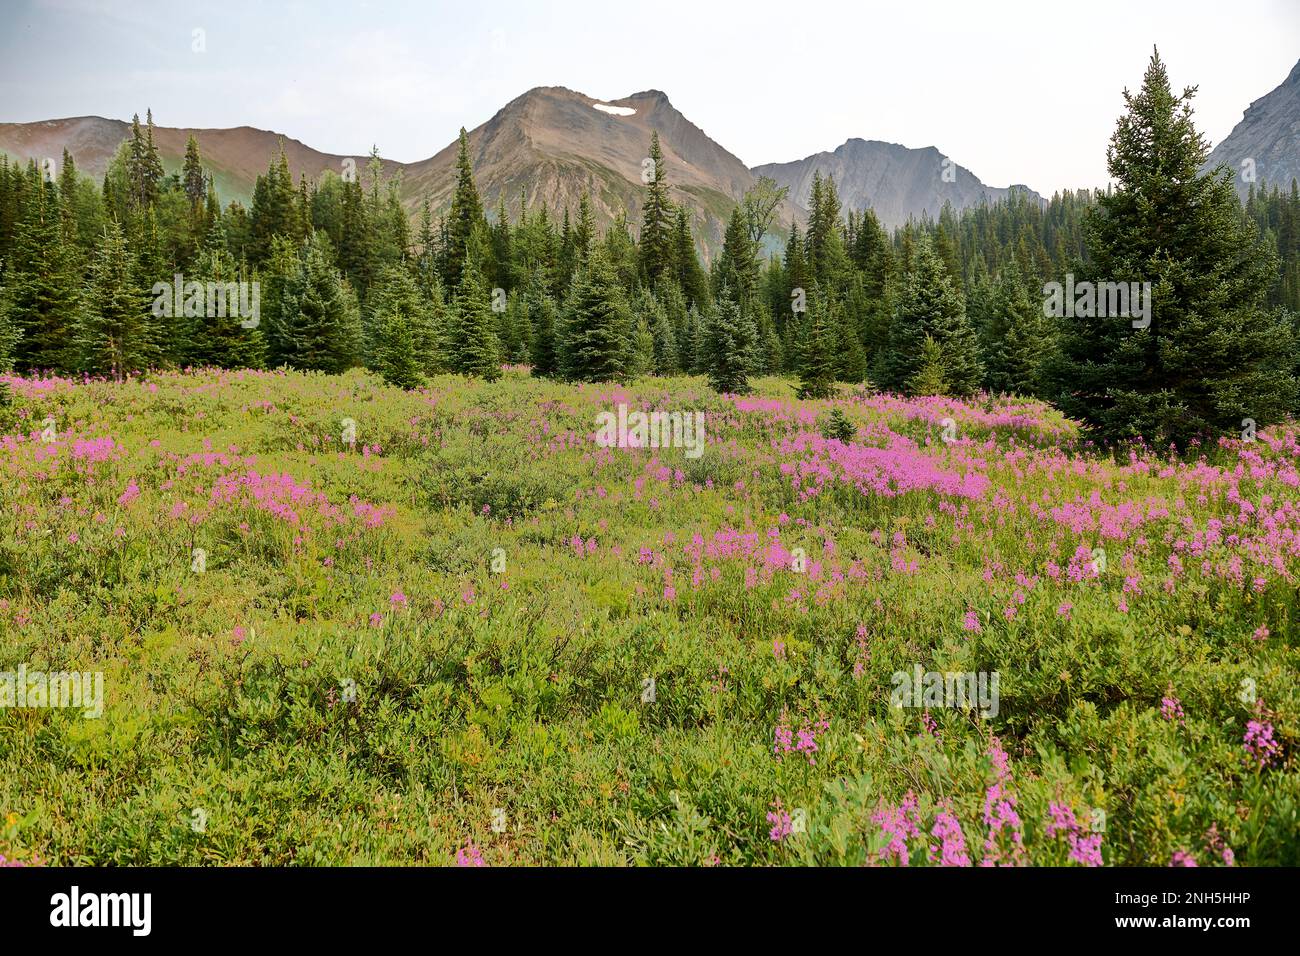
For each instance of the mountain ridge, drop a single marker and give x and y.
(550, 143)
(1267, 138)
(897, 181)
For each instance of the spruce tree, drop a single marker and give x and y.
(466, 216)
(1016, 337)
(222, 339)
(584, 230)
(850, 359)
(816, 353)
(321, 320)
(691, 282)
(395, 292)
(930, 377)
(656, 246)
(1212, 354)
(542, 347)
(730, 346)
(597, 328)
(929, 304)
(667, 358)
(393, 349)
(43, 291)
(278, 277)
(738, 266)
(113, 332)
(9, 333)
(193, 180)
(474, 348)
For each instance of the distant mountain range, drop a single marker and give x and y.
(897, 182)
(1267, 140)
(552, 143)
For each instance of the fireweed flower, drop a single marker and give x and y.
(1171, 708)
(1085, 849)
(952, 845)
(864, 653)
(1000, 815)
(972, 621)
(469, 855)
(1215, 844)
(900, 823)
(781, 823)
(1260, 743)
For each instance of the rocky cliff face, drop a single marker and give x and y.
(897, 182)
(1265, 145)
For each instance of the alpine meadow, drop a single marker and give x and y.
(580, 496)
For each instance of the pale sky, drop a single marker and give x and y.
(1015, 91)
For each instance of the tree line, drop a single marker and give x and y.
(951, 305)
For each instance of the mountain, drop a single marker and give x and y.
(235, 157)
(897, 182)
(1268, 136)
(550, 143)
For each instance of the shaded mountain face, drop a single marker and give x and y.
(1265, 145)
(550, 144)
(897, 182)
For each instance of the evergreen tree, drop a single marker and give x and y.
(731, 346)
(193, 180)
(667, 358)
(278, 278)
(850, 359)
(584, 230)
(9, 335)
(466, 216)
(930, 305)
(542, 353)
(144, 169)
(930, 377)
(1212, 355)
(656, 249)
(474, 347)
(113, 333)
(272, 212)
(737, 266)
(816, 354)
(1016, 337)
(693, 343)
(43, 292)
(396, 293)
(220, 336)
(596, 325)
(320, 317)
(691, 282)
(393, 349)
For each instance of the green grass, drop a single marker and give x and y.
(228, 692)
